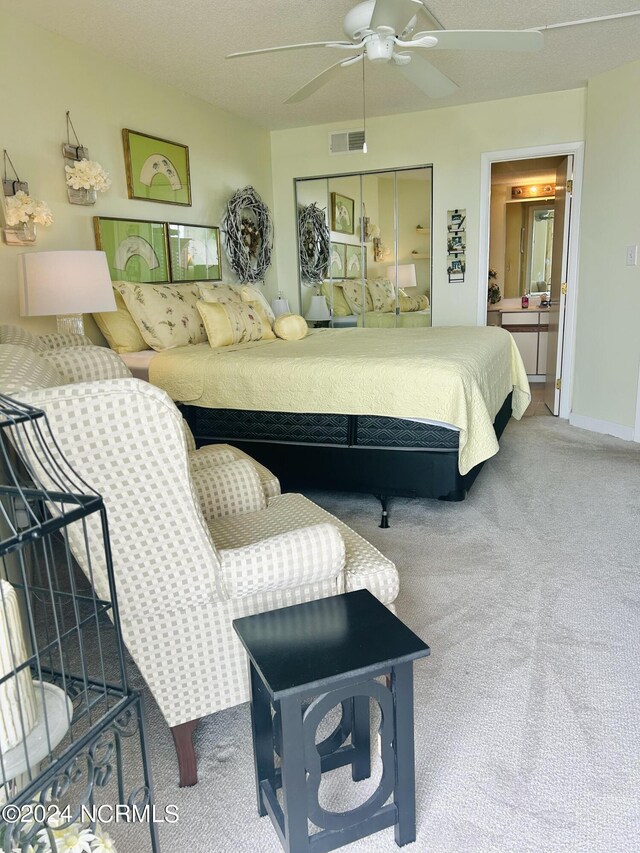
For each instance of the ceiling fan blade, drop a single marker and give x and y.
(348, 45)
(394, 14)
(511, 40)
(321, 79)
(596, 20)
(428, 78)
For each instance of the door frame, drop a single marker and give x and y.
(557, 150)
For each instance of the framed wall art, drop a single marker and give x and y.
(157, 170)
(342, 208)
(338, 260)
(356, 262)
(194, 252)
(136, 249)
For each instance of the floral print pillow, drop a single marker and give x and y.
(166, 314)
(233, 323)
(222, 293)
(355, 293)
(383, 295)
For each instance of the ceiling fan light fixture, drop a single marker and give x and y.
(380, 48)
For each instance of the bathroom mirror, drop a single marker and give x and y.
(540, 229)
(364, 246)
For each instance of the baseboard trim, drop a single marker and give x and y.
(604, 427)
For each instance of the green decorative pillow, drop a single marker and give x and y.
(222, 293)
(290, 327)
(165, 314)
(383, 295)
(118, 327)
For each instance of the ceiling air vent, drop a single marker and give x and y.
(347, 142)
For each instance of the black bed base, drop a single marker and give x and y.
(296, 449)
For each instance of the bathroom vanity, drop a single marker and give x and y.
(530, 330)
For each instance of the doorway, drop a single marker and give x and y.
(529, 221)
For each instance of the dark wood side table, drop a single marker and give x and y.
(330, 651)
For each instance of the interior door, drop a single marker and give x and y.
(559, 266)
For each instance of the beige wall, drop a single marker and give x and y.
(607, 334)
(452, 139)
(43, 76)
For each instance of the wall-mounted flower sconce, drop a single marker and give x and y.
(22, 212)
(85, 178)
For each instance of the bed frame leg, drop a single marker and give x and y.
(384, 521)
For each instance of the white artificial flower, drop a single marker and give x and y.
(87, 175)
(42, 214)
(22, 208)
(74, 839)
(103, 843)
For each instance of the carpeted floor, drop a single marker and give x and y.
(528, 710)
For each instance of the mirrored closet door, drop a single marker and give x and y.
(364, 248)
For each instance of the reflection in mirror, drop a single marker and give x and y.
(541, 230)
(378, 231)
(313, 240)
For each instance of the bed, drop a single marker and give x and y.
(412, 412)
(375, 320)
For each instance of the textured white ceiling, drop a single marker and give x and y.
(184, 44)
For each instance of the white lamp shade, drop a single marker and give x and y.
(75, 282)
(280, 306)
(318, 309)
(406, 275)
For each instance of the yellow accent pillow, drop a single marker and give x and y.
(223, 293)
(353, 294)
(423, 302)
(408, 303)
(251, 293)
(119, 328)
(335, 299)
(290, 327)
(267, 331)
(230, 323)
(165, 314)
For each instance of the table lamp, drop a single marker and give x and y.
(68, 284)
(280, 306)
(318, 309)
(406, 275)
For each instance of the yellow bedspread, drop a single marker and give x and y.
(455, 375)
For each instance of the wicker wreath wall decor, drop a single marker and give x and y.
(313, 239)
(248, 235)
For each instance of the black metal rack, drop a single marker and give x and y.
(73, 753)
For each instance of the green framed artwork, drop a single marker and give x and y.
(342, 208)
(337, 260)
(194, 252)
(157, 169)
(136, 249)
(355, 262)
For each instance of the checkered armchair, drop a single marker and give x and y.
(198, 537)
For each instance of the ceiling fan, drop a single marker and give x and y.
(383, 32)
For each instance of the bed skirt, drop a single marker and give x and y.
(353, 453)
